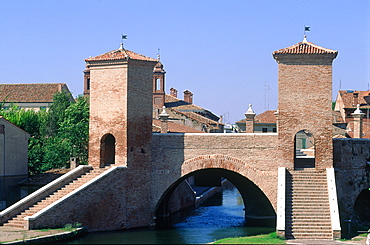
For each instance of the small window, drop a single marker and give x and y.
(264, 130)
(158, 84)
(274, 130)
(88, 84)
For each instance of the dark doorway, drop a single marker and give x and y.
(107, 150)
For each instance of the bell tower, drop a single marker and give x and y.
(158, 87)
(304, 104)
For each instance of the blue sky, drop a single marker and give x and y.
(219, 50)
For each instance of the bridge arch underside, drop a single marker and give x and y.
(258, 209)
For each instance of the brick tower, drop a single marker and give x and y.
(305, 98)
(158, 86)
(120, 109)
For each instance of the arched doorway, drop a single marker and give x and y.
(304, 150)
(107, 150)
(258, 210)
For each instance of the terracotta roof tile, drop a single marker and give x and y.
(305, 48)
(266, 117)
(181, 105)
(120, 54)
(174, 127)
(31, 92)
(348, 100)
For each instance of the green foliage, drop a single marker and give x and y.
(271, 238)
(74, 129)
(56, 134)
(69, 227)
(56, 114)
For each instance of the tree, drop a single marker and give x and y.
(74, 129)
(55, 135)
(61, 101)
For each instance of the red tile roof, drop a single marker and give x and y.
(305, 48)
(266, 117)
(120, 54)
(31, 92)
(348, 100)
(200, 118)
(174, 127)
(178, 104)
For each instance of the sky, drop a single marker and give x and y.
(221, 51)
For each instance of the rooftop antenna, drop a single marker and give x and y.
(267, 87)
(306, 28)
(123, 37)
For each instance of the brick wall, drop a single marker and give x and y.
(251, 155)
(352, 166)
(305, 91)
(121, 105)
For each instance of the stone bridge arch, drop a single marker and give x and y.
(263, 179)
(239, 172)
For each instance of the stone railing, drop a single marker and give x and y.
(333, 202)
(43, 192)
(30, 219)
(280, 217)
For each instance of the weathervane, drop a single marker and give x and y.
(124, 37)
(158, 55)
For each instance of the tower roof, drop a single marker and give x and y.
(120, 54)
(305, 47)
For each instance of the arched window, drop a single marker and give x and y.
(107, 150)
(304, 155)
(158, 84)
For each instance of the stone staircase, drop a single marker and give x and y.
(307, 205)
(18, 220)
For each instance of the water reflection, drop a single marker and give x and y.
(219, 217)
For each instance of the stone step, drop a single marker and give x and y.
(309, 219)
(15, 225)
(311, 184)
(309, 236)
(324, 204)
(308, 213)
(306, 202)
(307, 194)
(17, 221)
(302, 225)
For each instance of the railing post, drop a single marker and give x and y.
(333, 202)
(280, 219)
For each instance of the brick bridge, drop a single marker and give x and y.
(136, 176)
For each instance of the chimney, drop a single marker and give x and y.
(249, 120)
(357, 122)
(173, 92)
(355, 99)
(188, 96)
(164, 120)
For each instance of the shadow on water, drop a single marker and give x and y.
(219, 217)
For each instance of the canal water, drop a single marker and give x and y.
(220, 216)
